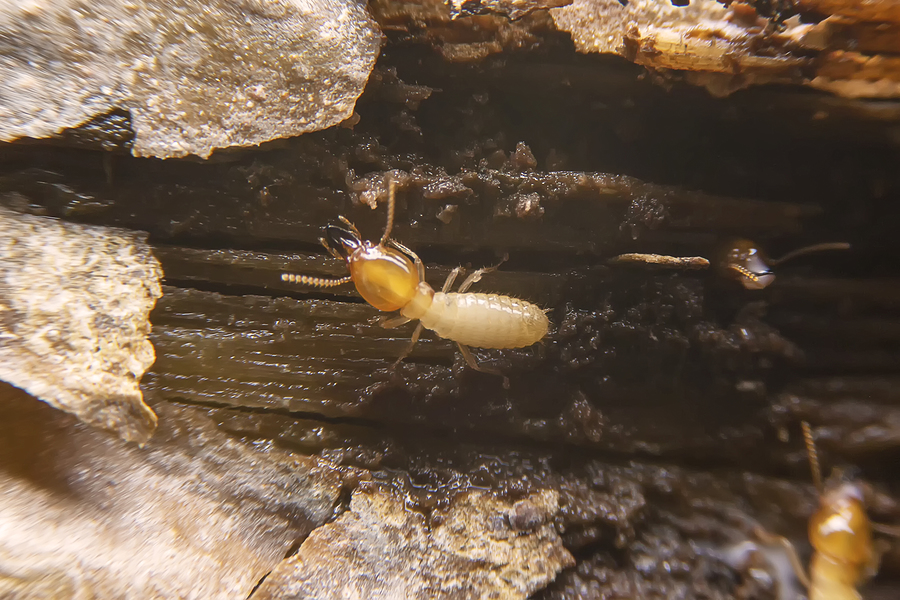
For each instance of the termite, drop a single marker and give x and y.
(742, 260)
(840, 532)
(391, 277)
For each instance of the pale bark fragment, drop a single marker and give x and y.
(195, 76)
(480, 547)
(74, 307)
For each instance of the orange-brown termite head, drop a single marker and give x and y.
(385, 278)
(840, 532)
(841, 535)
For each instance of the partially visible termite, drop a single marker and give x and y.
(390, 277)
(840, 532)
(742, 260)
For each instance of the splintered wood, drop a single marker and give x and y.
(725, 47)
(722, 46)
(661, 260)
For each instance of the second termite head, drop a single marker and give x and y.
(743, 261)
(840, 529)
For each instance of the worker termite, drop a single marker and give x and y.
(390, 277)
(742, 260)
(840, 533)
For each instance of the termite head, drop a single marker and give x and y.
(743, 261)
(385, 278)
(841, 529)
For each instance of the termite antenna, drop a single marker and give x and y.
(891, 530)
(744, 272)
(809, 250)
(323, 282)
(392, 187)
(813, 455)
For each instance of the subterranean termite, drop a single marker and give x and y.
(742, 260)
(844, 554)
(387, 279)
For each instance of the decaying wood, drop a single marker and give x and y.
(649, 437)
(480, 546)
(661, 260)
(85, 514)
(723, 47)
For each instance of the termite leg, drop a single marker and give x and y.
(409, 348)
(470, 360)
(473, 278)
(420, 267)
(391, 322)
(891, 530)
(879, 549)
(770, 538)
(476, 276)
(450, 279)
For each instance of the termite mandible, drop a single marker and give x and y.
(391, 277)
(742, 260)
